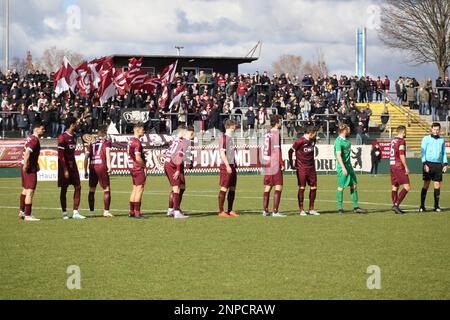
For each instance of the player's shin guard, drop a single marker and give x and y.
(91, 200)
(106, 200)
(28, 209)
(76, 198)
(230, 199)
(276, 200)
(354, 194)
(176, 201)
(312, 198)
(401, 197)
(423, 197)
(340, 198)
(22, 202)
(437, 195)
(394, 196)
(63, 199)
(221, 200)
(300, 198)
(266, 201)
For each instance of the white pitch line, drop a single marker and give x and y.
(210, 191)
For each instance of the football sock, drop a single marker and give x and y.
(394, 196)
(266, 201)
(312, 198)
(63, 199)
(171, 200)
(437, 195)
(340, 196)
(22, 202)
(276, 200)
(230, 199)
(401, 196)
(221, 200)
(107, 199)
(423, 196)
(76, 198)
(137, 208)
(28, 209)
(131, 208)
(91, 200)
(300, 197)
(354, 194)
(176, 201)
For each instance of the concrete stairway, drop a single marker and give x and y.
(417, 127)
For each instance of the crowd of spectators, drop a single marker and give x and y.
(207, 102)
(423, 97)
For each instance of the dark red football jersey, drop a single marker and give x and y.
(33, 145)
(398, 147)
(67, 144)
(135, 147)
(304, 153)
(97, 153)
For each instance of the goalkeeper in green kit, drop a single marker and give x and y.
(346, 174)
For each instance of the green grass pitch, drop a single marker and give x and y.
(205, 257)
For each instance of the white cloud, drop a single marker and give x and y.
(216, 27)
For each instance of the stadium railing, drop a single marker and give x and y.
(3, 115)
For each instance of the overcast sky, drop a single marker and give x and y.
(209, 27)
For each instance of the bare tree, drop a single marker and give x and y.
(421, 28)
(288, 63)
(52, 59)
(294, 65)
(317, 68)
(19, 65)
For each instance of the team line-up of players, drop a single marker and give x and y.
(98, 160)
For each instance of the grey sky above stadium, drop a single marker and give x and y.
(210, 27)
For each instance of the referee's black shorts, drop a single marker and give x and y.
(435, 173)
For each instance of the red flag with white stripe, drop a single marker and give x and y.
(66, 78)
(178, 94)
(138, 79)
(167, 76)
(120, 81)
(84, 79)
(107, 88)
(151, 84)
(95, 66)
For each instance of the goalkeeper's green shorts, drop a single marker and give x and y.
(345, 181)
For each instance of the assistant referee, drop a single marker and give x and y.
(434, 159)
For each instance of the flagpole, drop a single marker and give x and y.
(6, 30)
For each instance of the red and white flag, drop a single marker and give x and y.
(66, 78)
(95, 66)
(138, 79)
(151, 84)
(120, 81)
(177, 95)
(84, 79)
(134, 66)
(107, 88)
(167, 76)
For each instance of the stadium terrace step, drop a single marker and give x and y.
(417, 125)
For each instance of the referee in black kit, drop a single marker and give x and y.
(434, 159)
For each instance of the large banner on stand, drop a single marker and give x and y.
(206, 159)
(11, 152)
(325, 160)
